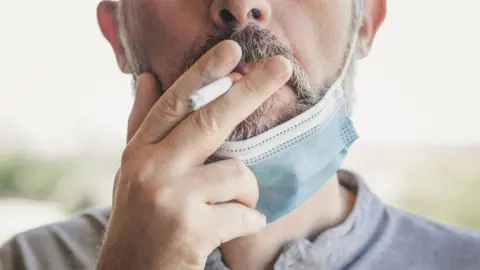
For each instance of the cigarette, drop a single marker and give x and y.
(209, 93)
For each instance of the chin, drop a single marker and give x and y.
(279, 108)
(283, 106)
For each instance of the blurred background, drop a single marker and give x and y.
(64, 108)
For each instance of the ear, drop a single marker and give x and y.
(107, 21)
(373, 17)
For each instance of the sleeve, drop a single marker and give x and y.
(72, 244)
(7, 257)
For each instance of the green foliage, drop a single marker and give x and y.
(438, 182)
(53, 180)
(442, 183)
(450, 195)
(21, 176)
(84, 202)
(25, 177)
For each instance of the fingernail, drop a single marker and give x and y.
(278, 67)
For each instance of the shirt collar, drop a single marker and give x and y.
(335, 246)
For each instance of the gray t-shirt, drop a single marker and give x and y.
(374, 236)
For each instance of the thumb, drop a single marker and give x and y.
(146, 94)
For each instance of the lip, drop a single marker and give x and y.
(241, 68)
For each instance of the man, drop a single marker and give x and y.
(272, 196)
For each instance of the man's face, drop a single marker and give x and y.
(166, 36)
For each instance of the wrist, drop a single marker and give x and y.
(129, 246)
(121, 250)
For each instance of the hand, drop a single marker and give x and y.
(146, 94)
(166, 213)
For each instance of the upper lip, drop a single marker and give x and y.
(241, 68)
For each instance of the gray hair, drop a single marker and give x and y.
(258, 44)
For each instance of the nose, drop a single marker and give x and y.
(240, 12)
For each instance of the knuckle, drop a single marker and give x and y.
(206, 73)
(184, 219)
(248, 178)
(241, 170)
(171, 106)
(163, 198)
(204, 122)
(192, 256)
(127, 155)
(251, 220)
(181, 216)
(199, 65)
(134, 185)
(139, 170)
(246, 219)
(207, 68)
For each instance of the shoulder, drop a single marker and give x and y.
(422, 243)
(70, 244)
(415, 227)
(378, 236)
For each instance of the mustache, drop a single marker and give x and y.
(258, 44)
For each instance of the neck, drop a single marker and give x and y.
(327, 208)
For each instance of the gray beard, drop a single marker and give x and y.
(259, 44)
(256, 124)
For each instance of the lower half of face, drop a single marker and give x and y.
(313, 35)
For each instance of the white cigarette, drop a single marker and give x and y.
(208, 93)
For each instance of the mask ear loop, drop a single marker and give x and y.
(352, 47)
(335, 91)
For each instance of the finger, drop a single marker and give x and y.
(224, 181)
(146, 94)
(203, 131)
(172, 107)
(233, 220)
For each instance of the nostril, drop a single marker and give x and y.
(227, 16)
(256, 13)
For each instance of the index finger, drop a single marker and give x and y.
(172, 107)
(204, 131)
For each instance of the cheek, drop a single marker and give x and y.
(318, 32)
(169, 61)
(334, 30)
(170, 31)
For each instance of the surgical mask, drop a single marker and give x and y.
(295, 159)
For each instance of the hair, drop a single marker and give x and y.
(258, 44)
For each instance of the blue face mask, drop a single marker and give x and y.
(294, 160)
(290, 177)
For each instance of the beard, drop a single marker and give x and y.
(258, 45)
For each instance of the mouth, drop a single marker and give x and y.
(243, 69)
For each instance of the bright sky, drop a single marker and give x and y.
(60, 89)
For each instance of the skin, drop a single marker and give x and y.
(162, 215)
